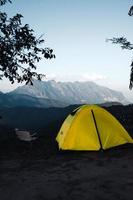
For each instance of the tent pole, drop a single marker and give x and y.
(101, 148)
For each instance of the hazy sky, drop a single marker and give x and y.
(77, 30)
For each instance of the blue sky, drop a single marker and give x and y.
(77, 30)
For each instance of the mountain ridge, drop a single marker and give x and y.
(24, 100)
(71, 92)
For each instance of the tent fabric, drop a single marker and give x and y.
(91, 127)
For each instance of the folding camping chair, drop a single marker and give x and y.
(26, 136)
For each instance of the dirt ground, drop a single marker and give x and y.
(68, 176)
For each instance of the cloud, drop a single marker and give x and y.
(93, 77)
(76, 77)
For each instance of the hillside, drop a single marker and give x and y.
(25, 100)
(41, 118)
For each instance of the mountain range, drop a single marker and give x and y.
(60, 94)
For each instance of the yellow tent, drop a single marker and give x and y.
(91, 127)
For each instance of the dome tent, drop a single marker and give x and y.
(91, 127)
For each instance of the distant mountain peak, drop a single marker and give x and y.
(71, 92)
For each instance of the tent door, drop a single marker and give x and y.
(98, 134)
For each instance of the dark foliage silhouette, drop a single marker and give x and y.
(130, 13)
(125, 44)
(20, 50)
